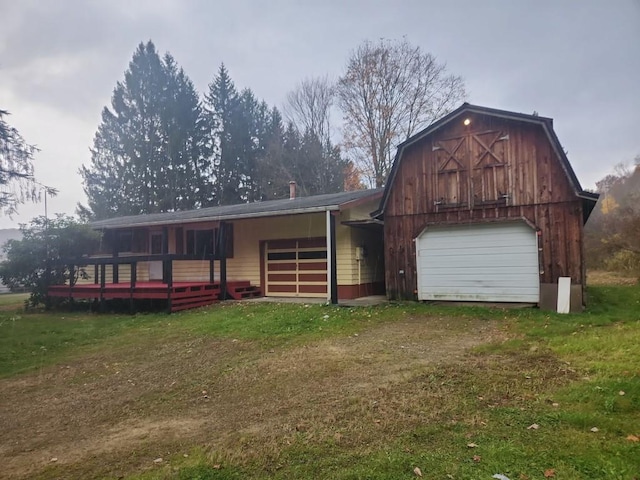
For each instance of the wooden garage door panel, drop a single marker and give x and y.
(296, 268)
(496, 263)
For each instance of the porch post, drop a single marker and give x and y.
(167, 267)
(132, 285)
(222, 249)
(169, 280)
(332, 277)
(165, 250)
(103, 274)
(115, 270)
(115, 267)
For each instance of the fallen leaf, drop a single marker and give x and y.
(477, 458)
(621, 393)
(417, 471)
(549, 473)
(595, 429)
(533, 426)
(217, 466)
(633, 438)
(158, 460)
(471, 445)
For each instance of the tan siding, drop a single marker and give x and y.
(361, 211)
(247, 234)
(369, 269)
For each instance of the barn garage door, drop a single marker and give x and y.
(296, 268)
(478, 263)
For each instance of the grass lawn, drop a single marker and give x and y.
(287, 391)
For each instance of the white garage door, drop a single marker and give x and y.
(478, 263)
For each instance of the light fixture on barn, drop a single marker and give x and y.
(467, 122)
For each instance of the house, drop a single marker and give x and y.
(480, 206)
(483, 205)
(324, 246)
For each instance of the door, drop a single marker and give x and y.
(472, 170)
(155, 267)
(296, 268)
(495, 262)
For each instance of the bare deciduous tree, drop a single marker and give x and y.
(309, 105)
(390, 90)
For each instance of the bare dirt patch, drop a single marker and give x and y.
(109, 413)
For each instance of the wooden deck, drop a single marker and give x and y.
(179, 296)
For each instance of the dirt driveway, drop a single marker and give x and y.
(113, 411)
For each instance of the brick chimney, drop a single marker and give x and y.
(292, 190)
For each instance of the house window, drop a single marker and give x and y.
(205, 242)
(124, 241)
(200, 242)
(156, 243)
(128, 241)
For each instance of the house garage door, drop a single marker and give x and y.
(478, 263)
(296, 268)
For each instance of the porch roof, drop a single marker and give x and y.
(315, 203)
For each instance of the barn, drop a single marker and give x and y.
(484, 206)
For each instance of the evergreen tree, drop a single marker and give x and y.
(187, 171)
(272, 174)
(240, 135)
(315, 166)
(149, 153)
(17, 183)
(222, 107)
(320, 166)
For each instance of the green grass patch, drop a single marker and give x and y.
(13, 299)
(576, 377)
(34, 340)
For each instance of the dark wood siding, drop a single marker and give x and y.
(492, 170)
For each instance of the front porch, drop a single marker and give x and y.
(108, 283)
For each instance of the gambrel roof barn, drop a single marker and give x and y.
(483, 205)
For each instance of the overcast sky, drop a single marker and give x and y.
(575, 61)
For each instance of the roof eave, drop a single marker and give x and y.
(218, 218)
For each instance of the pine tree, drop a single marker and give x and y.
(149, 153)
(222, 112)
(274, 170)
(239, 135)
(17, 183)
(187, 170)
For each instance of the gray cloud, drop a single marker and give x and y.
(577, 62)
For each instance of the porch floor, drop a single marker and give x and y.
(182, 295)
